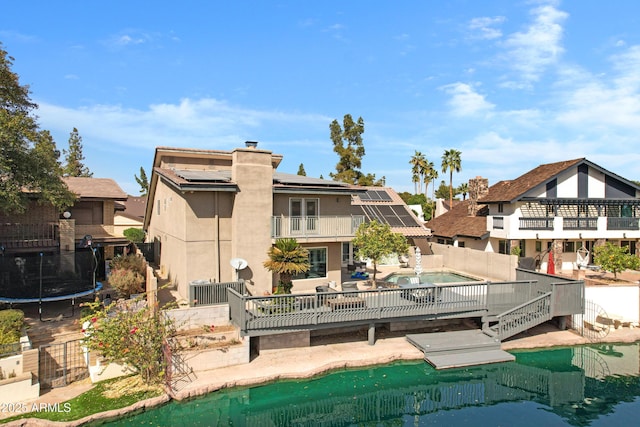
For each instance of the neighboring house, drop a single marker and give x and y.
(207, 207)
(384, 205)
(57, 236)
(567, 206)
(129, 214)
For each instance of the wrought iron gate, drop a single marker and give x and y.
(62, 364)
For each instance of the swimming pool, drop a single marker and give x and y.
(432, 277)
(569, 386)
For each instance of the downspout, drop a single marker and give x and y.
(217, 236)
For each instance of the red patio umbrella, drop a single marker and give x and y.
(551, 266)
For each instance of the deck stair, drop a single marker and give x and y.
(519, 319)
(457, 349)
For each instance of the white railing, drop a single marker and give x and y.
(315, 226)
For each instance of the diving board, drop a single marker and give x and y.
(455, 349)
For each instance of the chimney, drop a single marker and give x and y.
(478, 188)
(251, 144)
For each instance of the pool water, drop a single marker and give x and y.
(570, 386)
(432, 277)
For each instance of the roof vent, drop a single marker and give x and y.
(251, 144)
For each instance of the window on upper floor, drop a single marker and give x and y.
(500, 207)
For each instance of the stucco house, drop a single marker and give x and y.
(207, 207)
(568, 206)
(129, 214)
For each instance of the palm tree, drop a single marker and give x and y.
(287, 258)
(432, 175)
(451, 161)
(417, 167)
(464, 190)
(427, 173)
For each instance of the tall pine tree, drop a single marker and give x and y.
(74, 158)
(143, 182)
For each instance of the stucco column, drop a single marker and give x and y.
(252, 171)
(67, 239)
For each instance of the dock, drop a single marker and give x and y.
(456, 349)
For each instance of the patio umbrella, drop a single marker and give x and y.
(418, 267)
(551, 267)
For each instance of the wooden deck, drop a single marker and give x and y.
(506, 308)
(457, 349)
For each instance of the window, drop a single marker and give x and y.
(569, 247)
(460, 244)
(502, 247)
(629, 244)
(304, 214)
(538, 246)
(317, 264)
(500, 207)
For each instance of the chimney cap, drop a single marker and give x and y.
(251, 144)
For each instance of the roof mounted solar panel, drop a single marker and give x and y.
(203, 175)
(383, 195)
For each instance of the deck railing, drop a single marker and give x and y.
(256, 315)
(523, 317)
(202, 292)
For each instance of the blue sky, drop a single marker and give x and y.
(510, 84)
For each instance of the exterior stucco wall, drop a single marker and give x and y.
(252, 171)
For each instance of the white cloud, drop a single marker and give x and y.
(465, 101)
(483, 27)
(610, 102)
(532, 51)
(191, 123)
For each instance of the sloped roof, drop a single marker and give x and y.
(134, 207)
(457, 222)
(94, 188)
(508, 191)
(386, 206)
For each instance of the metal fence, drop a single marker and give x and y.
(62, 363)
(202, 292)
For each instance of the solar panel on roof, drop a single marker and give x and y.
(202, 175)
(406, 218)
(373, 195)
(383, 195)
(364, 196)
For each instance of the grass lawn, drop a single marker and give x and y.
(95, 401)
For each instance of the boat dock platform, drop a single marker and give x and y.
(455, 349)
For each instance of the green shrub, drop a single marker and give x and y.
(11, 324)
(135, 235)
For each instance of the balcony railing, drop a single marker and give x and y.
(622, 223)
(536, 223)
(315, 226)
(580, 223)
(28, 235)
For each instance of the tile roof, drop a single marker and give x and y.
(458, 222)
(94, 188)
(508, 191)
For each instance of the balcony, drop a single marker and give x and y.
(536, 223)
(315, 226)
(622, 223)
(29, 236)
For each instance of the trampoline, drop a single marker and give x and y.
(42, 278)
